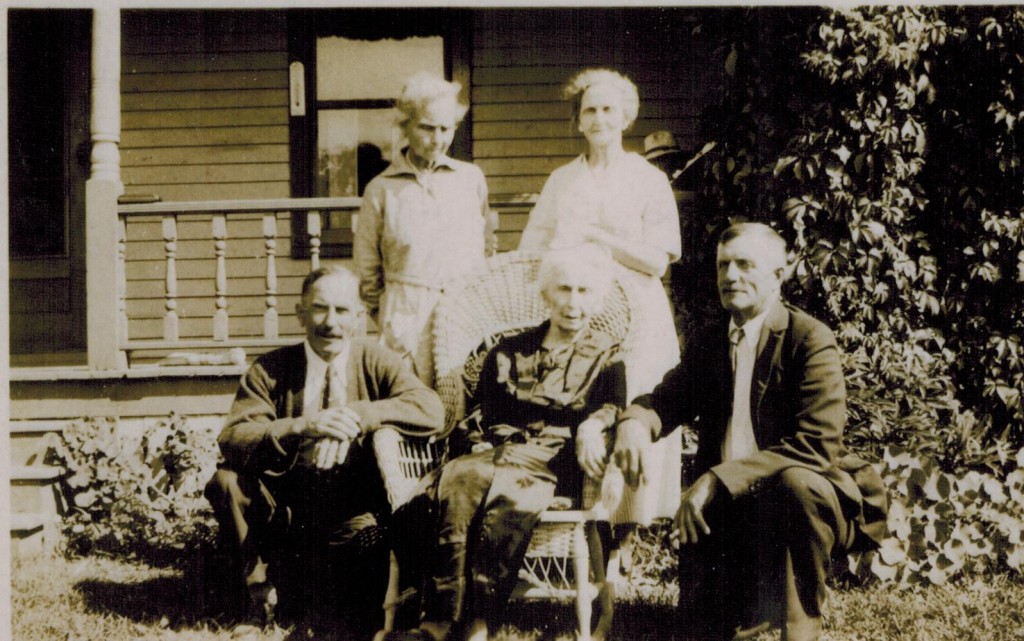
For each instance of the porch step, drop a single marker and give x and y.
(31, 533)
(32, 440)
(35, 489)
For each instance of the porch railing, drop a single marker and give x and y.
(151, 247)
(217, 214)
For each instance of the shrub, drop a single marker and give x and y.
(898, 187)
(143, 501)
(942, 527)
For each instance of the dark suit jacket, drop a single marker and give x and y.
(381, 388)
(797, 405)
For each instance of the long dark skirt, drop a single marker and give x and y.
(461, 538)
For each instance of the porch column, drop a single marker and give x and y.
(101, 193)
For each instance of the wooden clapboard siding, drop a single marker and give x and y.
(205, 117)
(521, 60)
(174, 62)
(253, 285)
(177, 156)
(214, 99)
(171, 118)
(205, 104)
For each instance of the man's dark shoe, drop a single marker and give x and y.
(752, 631)
(416, 634)
(260, 612)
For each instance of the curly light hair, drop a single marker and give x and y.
(423, 88)
(594, 259)
(578, 85)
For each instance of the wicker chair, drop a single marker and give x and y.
(565, 557)
(402, 461)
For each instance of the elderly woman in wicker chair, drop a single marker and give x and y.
(619, 200)
(547, 398)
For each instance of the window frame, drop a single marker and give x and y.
(304, 27)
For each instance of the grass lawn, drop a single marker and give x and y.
(55, 599)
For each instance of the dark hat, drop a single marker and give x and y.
(659, 143)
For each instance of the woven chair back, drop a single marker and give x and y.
(505, 299)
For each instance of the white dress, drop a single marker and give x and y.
(631, 199)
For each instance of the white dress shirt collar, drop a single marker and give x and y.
(316, 377)
(751, 329)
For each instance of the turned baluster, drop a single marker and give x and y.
(220, 249)
(170, 236)
(313, 227)
(270, 326)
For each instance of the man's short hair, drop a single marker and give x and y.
(328, 270)
(766, 233)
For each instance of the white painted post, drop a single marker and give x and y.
(220, 247)
(103, 329)
(270, 324)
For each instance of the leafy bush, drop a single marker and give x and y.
(143, 501)
(898, 187)
(942, 526)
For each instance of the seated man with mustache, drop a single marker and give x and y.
(298, 492)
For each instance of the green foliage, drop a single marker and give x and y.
(857, 137)
(144, 501)
(976, 188)
(942, 527)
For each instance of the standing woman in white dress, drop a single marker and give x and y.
(619, 200)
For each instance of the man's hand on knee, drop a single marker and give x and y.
(339, 423)
(690, 517)
(632, 441)
(329, 452)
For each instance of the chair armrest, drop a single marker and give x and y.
(403, 461)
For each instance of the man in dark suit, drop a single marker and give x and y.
(299, 495)
(776, 496)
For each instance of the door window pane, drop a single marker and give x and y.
(354, 146)
(349, 69)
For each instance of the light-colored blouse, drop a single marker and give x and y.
(630, 199)
(417, 232)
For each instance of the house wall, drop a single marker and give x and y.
(204, 107)
(205, 116)
(521, 61)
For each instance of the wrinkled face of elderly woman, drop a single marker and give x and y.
(431, 130)
(574, 292)
(602, 118)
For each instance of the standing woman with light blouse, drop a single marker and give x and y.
(424, 222)
(617, 199)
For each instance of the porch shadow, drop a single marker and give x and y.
(180, 599)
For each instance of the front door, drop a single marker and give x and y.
(48, 75)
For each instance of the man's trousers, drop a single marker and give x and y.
(314, 535)
(766, 559)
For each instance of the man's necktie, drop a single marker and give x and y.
(334, 394)
(739, 438)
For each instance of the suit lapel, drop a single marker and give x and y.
(294, 378)
(769, 357)
(721, 371)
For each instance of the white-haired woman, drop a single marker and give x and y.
(619, 200)
(424, 221)
(547, 398)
